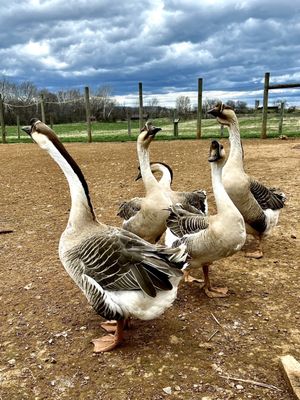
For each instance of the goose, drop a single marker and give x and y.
(195, 201)
(259, 205)
(146, 217)
(210, 238)
(120, 274)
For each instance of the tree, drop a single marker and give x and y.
(152, 107)
(102, 105)
(183, 106)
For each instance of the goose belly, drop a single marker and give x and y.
(136, 304)
(221, 243)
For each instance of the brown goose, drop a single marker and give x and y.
(191, 201)
(121, 274)
(210, 238)
(147, 217)
(259, 205)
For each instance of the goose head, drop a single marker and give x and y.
(147, 134)
(216, 152)
(41, 133)
(225, 114)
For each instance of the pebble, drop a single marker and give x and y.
(167, 390)
(239, 387)
(12, 362)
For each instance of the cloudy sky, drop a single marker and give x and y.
(166, 44)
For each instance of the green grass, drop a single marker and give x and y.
(250, 127)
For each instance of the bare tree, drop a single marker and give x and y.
(103, 105)
(152, 107)
(183, 106)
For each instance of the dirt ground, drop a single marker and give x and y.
(47, 325)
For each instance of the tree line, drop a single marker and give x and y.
(22, 101)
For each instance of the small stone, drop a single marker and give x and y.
(177, 388)
(167, 390)
(52, 383)
(28, 287)
(239, 387)
(52, 360)
(206, 346)
(12, 362)
(174, 339)
(293, 236)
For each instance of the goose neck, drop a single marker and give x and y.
(222, 199)
(81, 211)
(236, 149)
(144, 160)
(165, 179)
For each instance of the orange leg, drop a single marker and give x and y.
(111, 326)
(208, 289)
(109, 342)
(189, 278)
(257, 252)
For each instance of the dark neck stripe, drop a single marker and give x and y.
(60, 147)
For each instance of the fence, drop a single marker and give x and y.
(40, 104)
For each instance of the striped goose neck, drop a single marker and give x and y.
(236, 153)
(222, 199)
(81, 205)
(145, 167)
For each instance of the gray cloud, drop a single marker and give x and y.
(165, 44)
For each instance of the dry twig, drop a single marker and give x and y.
(216, 320)
(212, 335)
(261, 384)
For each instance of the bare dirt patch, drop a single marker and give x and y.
(46, 324)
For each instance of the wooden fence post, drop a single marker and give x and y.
(175, 122)
(129, 121)
(199, 109)
(18, 127)
(281, 118)
(88, 113)
(2, 120)
(51, 121)
(43, 108)
(265, 107)
(141, 111)
(222, 131)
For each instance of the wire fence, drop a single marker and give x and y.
(89, 108)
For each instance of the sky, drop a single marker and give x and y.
(165, 44)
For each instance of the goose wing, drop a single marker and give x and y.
(267, 197)
(194, 202)
(182, 222)
(129, 208)
(119, 260)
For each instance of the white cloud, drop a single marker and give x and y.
(163, 43)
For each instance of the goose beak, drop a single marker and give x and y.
(216, 110)
(154, 131)
(151, 130)
(27, 129)
(215, 151)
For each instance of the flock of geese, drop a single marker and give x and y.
(124, 272)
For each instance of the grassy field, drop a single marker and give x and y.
(250, 127)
